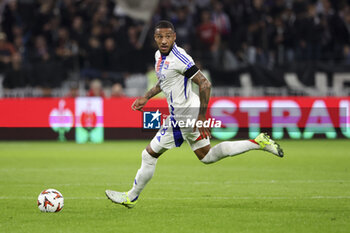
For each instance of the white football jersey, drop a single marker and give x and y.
(176, 86)
(174, 72)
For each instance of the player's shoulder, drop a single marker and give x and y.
(178, 50)
(181, 55)
(157, 54)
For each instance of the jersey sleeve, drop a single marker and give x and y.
(184, 61)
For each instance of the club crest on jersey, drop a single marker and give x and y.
(166, 65)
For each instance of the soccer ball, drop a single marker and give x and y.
(50, 200)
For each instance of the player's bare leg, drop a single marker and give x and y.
(143, 175)
(222, 150)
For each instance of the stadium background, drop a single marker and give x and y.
(70, 69)
(67, 49)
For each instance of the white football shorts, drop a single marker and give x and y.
(169, 136)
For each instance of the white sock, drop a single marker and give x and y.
(144, 174)
(225, 149)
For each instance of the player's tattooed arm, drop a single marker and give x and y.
(204, 95)
(153, 91)
(204, 91)
(139, 103)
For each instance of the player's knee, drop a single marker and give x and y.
(151, 152)
(202, 152)
(206, 159)
(147, 158)
(154, 150)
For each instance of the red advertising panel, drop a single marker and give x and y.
(294, 115)
(300, 117)
(36, 112)
(268, 112)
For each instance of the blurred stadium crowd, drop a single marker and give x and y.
(45, 42)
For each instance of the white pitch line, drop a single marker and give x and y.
(193, 183)
(253, 198)
(192, 198)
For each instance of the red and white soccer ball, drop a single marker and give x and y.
(50, 200)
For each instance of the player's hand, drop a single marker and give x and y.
(204, 131)
(139, 103)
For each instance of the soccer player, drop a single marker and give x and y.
(176, 71)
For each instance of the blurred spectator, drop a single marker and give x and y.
(50, 30)
(101, 15)
(10, 18)
(276, 39)
(41, 51)
(45, 13)
(78, 31)
(202, 3)
(255, 44)
(207, 32)
(54, 37)
(313, 32)
(94, 60)
(95, 54)
(105, 63)
(96, 31)
(221, 21)
(19, 42)
(134, 50)
(340, 29)
(117, 91)
(67, 49)
(113, 61)
(7, 50)
(20, 47)
(17, 31)
(209, 39)
(96, 88)
(183, 24)
(73, 91)
(117, 30)
(347, 36)
(289, 35)
(46, 72)
(15, 76)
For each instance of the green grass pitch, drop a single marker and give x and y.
(307, 191)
